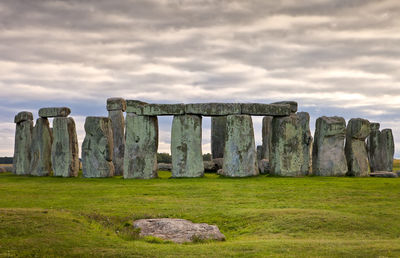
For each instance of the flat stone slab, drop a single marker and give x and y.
(116, 104)
(162, 110)
(383, 174)
(134, 106)
(178, 230)
(23, 116)
(54, 112)
(259, 109)
(213, 109)
(293, 105)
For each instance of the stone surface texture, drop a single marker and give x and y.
(164, 166)
(373, 147)
(383, 174)
(358, 130)
(213, 109)
(329, 158)
(97, 148)
(218, 131)
(23, 116)
(118, 129)
(162, 109)
(186, 149)
(54, 112)
(135, 106)
(178, 230)
(240, 158)
(259, 109)
(266, 136)
(141, 146)
(210, 166)
(42, 140)
(116, 104)
(304, 119)
(293, 105)
(380, 146)
(65, 150)
(22, 144)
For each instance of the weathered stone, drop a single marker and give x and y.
(264, 166)
(23, 116)
(380, 146)
(164, 166)
(219, 162)
(383, 174)
(386, 145)
(329, 158)
(118, 128)
(210, 166)
(163, 109)
(259, 109)
(135, 106)
(97, 148)
(141, 146)
(259, 152)
(218, 131)
(373, 147)
(6, 168)
(187, 159)
(356, 152)
(240, 158)
(293, 105)
(41, 148)
(213, 109)
(65, 151)
(289, 141)
(23, 144)
(54, 112)
(116, 104)
(178, 230)
(266, 136)
(304, 119)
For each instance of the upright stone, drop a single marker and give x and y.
(187, 159)
(380, 147)
(266, 136)
(240, 158)
(140, 160)
(116, 108)
(23, 142)
(41, 148)
(356, 152)
(218, 131)
(97, 148)
(329, 158)
(373, 147)
(289, 139)
(65, 151)
(304, 119)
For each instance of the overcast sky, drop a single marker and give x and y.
(333, 57)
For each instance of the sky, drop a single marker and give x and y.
(334, 57)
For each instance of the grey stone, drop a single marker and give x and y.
(114, 104)
(97, 148)
(380, 146)
(383, 174)
(218, 131)
(118, 128)
(373, 147)
(54, 112)
(135, 106)
(164, 166)
(141, 146)
(187, 159)
(293, 105)
(23, 116)
(65, 150)
(240, 158)
(41, 148)
(329, 158)
(259, 109)
(264, 166)
(266, 136)
(177, 230)
(356, 152)
(289, 141)
(6, 168)
(259, 152)
(219, 162)
(304, 119)
(23, 145)
(210, 166)
(163, 109)
(213, 109)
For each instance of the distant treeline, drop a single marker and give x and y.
(6, 160)
(166, 157)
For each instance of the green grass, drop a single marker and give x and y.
(260, 216)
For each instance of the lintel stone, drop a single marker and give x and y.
(23, 116)
(163, 109)
(135, 106)
(54, 112)
(259, 109)
(116, 104)
(293, 105)
(213, 109)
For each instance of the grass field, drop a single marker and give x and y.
(261, 216)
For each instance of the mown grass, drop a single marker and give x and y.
(260, 216)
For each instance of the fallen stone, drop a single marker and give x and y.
(259, 109)
(6, 168)
(114, 104)
(135, 106)
(329, 158)
(164, 166)
(178, 230)
(97, 148)
(163, 109)
(187, 159)
(356, 152)
(118, 129)
(141, 146)
(23, 143)
(383, 174)
(23, 116)
(218, 162)
(42, 140)
(213, 109)
(218, 131)
(65, 151)
(293, 105)
(240, 158)
(54, 112)
(210, 166)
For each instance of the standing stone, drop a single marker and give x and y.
(65, 151)
(329, 158)
(42, 139)
(304, 119)
(116, 108)
(97, 148)
(23, 142)
(218, 131)
(259, 152)
(386, 146)
(266, 136)
(289, 139)
(140, 160)
(240, 158)
(356, 152)
(187, 159)
(373, 147)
